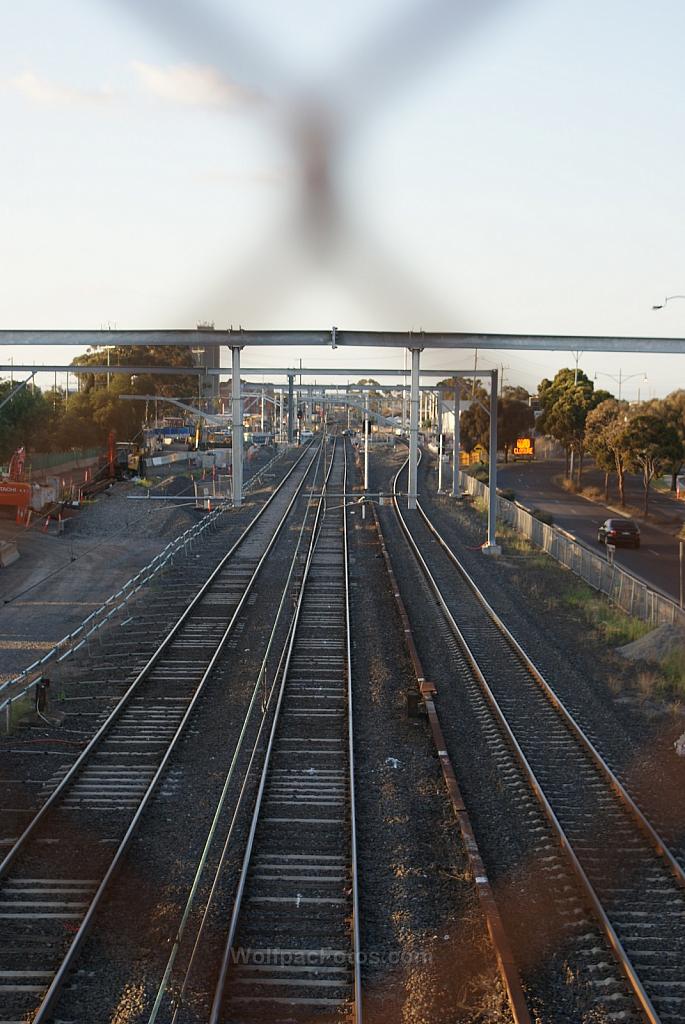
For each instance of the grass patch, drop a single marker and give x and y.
(20, 708)
(593, 493)
(615, 626)
(673, 671)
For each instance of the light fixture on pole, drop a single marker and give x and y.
(669, 298)
(621, 380)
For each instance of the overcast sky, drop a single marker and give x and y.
(509, 167)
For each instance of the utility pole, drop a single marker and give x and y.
(475, 371)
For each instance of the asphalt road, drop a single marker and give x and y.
(657, 559)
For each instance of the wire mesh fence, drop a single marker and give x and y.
(623, 589)
(15, 692)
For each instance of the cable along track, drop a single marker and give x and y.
(630, 878)
(52, 879)
(293, 937)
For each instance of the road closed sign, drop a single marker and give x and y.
(524, 448)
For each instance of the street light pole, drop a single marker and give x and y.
(669, 298)
(620, 380)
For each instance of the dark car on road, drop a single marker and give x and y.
(619, 531)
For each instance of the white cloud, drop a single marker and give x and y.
(55, 94)
(192, 85)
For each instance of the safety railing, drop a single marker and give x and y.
(91, 626)
(623, 588)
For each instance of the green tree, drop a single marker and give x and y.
(566, 402)
(516, 392)
(651, 444)
(175, 356)
(475, 422)
(24, 419)
(605, 429)
(672, 409)
(514, 419)
(466, 386)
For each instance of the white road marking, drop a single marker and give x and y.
(653, 552)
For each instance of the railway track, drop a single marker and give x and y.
(292, 947)
(53, 878)
(625, 872)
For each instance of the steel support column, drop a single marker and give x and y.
(491, 547)
(457, 441)
(440, 441)
(367, 424)
(291, 378)
(414, 429)
(237, 415)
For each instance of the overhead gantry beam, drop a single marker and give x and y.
(336, 338)
(80, 368)
(225, 371)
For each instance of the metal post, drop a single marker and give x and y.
(457, 441)
(366, 446)
(491, 547)
(237, 413)
(440, 443)
(291, 378)
(414, 429)
(261, 427)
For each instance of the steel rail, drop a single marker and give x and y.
(642, 998)
(140, 678)
(356, 942)
(261, 676)
(47, 1004)
(179, 996)
(504, 956)
(655, 839)
(217, 1002)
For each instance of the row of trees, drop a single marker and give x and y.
(51, 420)
(647, 438)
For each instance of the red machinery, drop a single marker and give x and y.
(14, 490)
